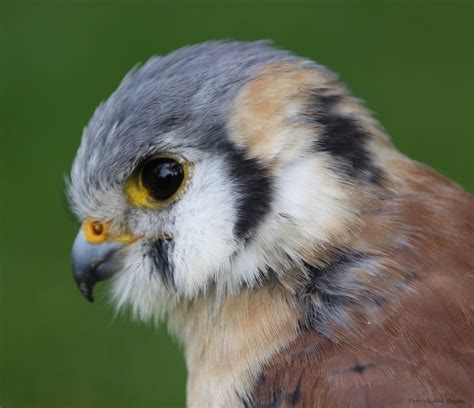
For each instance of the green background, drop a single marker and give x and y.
(412, 61)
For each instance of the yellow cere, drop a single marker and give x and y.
(97, 232)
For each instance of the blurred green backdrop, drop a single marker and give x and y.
(412, 61)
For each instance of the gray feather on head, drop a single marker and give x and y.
(186, 93)
(272, 184)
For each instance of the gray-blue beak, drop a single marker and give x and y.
(92, 263)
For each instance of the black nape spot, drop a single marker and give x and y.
(333, 291)
(360, 368)
(254, 188)
(160, 253)
(344, 138)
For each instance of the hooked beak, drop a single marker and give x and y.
(93, 262)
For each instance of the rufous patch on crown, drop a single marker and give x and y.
(265, 119)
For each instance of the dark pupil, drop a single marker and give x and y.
(162, 177)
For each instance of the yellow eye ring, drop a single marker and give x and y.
(159, 181)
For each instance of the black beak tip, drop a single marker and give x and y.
(92, 263)
(86, 290)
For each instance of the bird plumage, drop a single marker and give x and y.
(412, 345)
(307, 262)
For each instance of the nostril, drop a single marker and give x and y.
(95, 231)
(97, 228)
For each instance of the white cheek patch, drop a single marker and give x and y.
(309, 206)
(137, 285)
(202, 224)
(312, 195)
(204, 220)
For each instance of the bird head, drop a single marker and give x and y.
(219, 166)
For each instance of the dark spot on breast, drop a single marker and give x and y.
(266, 394)
(360, 368)
(274, 401)
(294, 397)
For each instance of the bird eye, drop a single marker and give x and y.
(162, 177)
(158, 182)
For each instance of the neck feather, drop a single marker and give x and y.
(227, 344)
